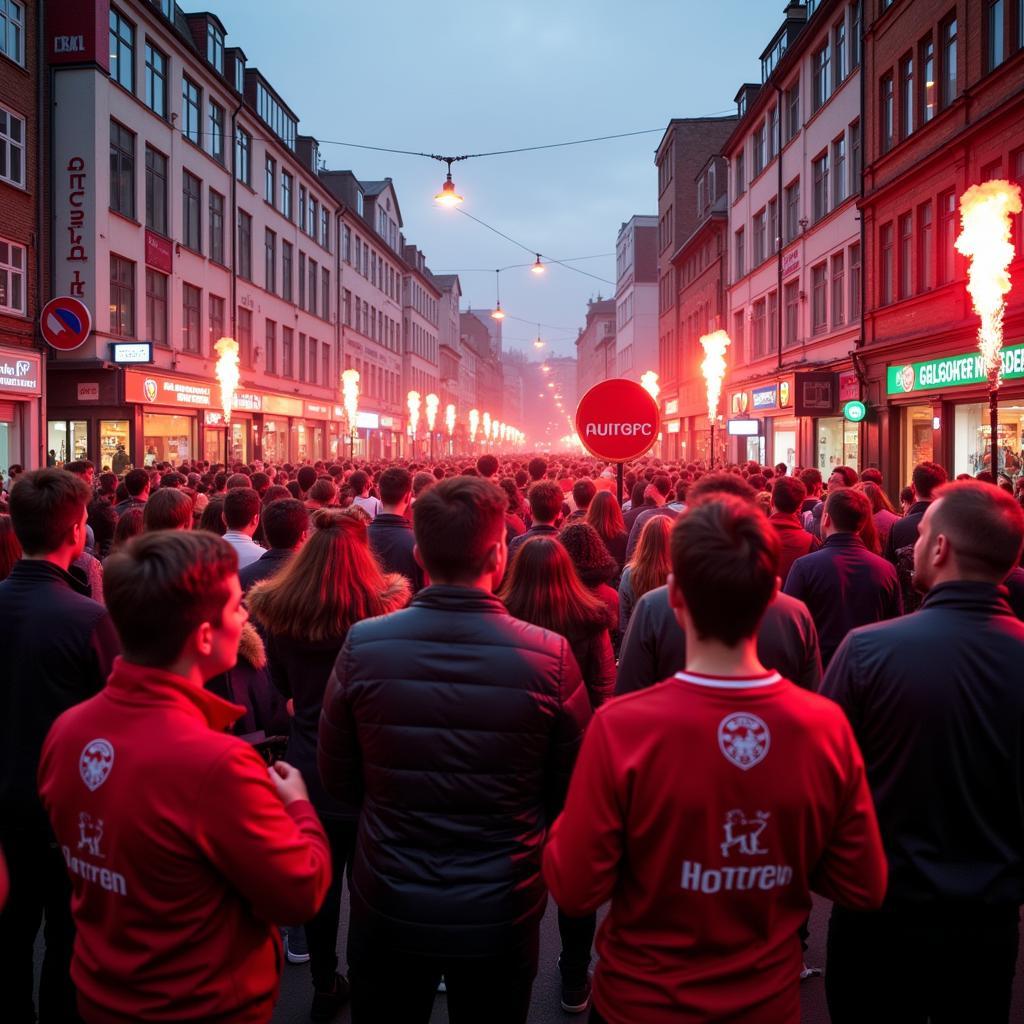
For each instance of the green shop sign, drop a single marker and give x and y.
(952, 371)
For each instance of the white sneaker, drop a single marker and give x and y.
(295, 949)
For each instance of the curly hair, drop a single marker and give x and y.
(588, 553)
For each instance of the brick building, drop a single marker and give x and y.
(595, 347)
(944, 109)
(636, 297)
(22, 250)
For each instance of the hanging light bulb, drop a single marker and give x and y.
(448, 197)
(497, 314)
(538, 268)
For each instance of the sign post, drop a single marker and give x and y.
(617, 420)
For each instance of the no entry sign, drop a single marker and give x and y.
(65, 323)
(617, 420)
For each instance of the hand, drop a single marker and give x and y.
(288, 782)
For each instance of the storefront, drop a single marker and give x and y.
(837, 438)
(771, 403)
(21, 389)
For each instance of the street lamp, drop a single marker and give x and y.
(497, 313)
(448, 197)
(538, 268)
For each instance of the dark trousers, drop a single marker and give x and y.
(322, 931)
(389, 986)
(938, 962)
(40, 889)
(577, 935)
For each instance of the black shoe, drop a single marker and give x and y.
(576, 997)
(327, 1003)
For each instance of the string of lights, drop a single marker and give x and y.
(519, 266)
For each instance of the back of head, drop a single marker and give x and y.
(80, 467)
(167, 509)
(395, 485)
(874, 493)
(161, 586)
(662, 484)
(583, 492)
(650, 564)
(725, 559)
(108, 484)
(788, 494)
(605, 515)
(358, 481)
(636, 496)
(284, 522)
(323, 492)
(457, 522)
(421, 481)
(871, 476)
(546, 499)
(275, 492)
(260, 483)
(848, 509)
(136, 481)
(129, 524)
(588, 553)
(241, 506)
(847, 474)
(927, 478)
(537, 467)
(45, 505)
(306, 477)
(717, 484)
(237, 480)
(487, 465)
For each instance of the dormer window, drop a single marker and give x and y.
(239, 75)
(215, 47)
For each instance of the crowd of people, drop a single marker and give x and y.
(463, 689)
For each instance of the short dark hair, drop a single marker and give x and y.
(455, 522)
(161, 586)
(487, 465)
(536, 467)
(984, 524)
(788, 494)
(79, 467)
(583, 492)
(421, 481)
(662, 484)
(306, 477)
(323, 491)
(284, 522)
(394, 485)
(546, 499)
(848, 509)
(108, 483)
(260, 483)
(44, 505)
(237, 480)
(173, 479)
(871, 475)
(167, 509)
(848, 473)
(810, 478)
(240, 506)
(927, 476)
(358, 481)
(136, 481)
(712, 485)
(725, 559)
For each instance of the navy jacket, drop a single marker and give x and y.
(936, 703)
(270, 563)
(905, 531)
(453, 727)
(844, 586)
(392, 541)
(535, 531)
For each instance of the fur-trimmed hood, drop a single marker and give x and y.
(398, 592)
(251, 647)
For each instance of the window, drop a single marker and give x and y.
(1017, 175)
(758, 141)
(791, 304)
(122, 170)
(821, 83)
(793, 110)
(839, 179)
(820, 170)
(191, 212)
(286, 270)
(839, 70)
(819, 298)
(243, 153)
(302, 356)
(325, 228)
(856, 158)
(739, 175)
(215, 47)
(855, 20)
(906, 228)
(346, 305)
(991, 171)
(286, 194)
(838, 278)
(191, 318)
(313, 360)
(325, 293)
(758, 341)
(156, 191)
(759, 254)
(216, 226)
(906, 96)
(326, 356)
(773, 141)
(122, 50)
(948, 70)
(312, 286)
(740, 264)
(856, 286)
(314, 207)
(737, 335)
(191, 105)
(773, 321)
(270, 260)
(215, 305)
(12, 276)
(926, 58)
(792, 210)
(947, 237)
(995, 37)
(773, 225)
(12, 30)
(239, 72)
(244, 326)
(12, 147)
(270, 347)
(925, 248)
(346, 244)
(282, 124)
(302, 280)
(287, 369)
(156, 80)
(269, 185)
(244, 258)
(156, 305)
(886, 263)
(302, 207)
(216, 132)
(885, 113)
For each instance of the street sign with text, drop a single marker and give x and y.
(618, 420)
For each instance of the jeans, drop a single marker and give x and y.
(577, 935)
(940, 962)
(39, 888)
(322, 930)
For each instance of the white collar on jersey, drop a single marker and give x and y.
(739, 683)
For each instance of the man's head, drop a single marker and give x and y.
(583, 492)
(168, 509)
(396, 490)
(241, 510)
(926, 479)
(811, 479)
(238, 480)
(871, 476)
(846, 511)
(487, 466)
(306, 477)
(970, 531)
(781, 469)
(536, 468)
(788, 495)
(358, 481)
(725, 560)
(176, 602)
(841, 476)
(82, 468)
(48, 513)
(460, 531)
(546, 499)
(285, 523)
(713, 485)
(420, 482)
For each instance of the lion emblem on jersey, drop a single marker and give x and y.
(742, 833)
(95, 763)
(744, 739)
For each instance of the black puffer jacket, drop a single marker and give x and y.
(454, 727)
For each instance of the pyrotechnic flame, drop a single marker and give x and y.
(227, 373)
(713, 367)
(649, 382)
(985, 212)
(432, 401)
(449, 418)
(413, 402)
(487, 426)
(350, 396)
(474, 424)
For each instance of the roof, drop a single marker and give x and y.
(374, 188)
(446, 281)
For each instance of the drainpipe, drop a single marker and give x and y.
(44, 230)
(234, 222)
(779, 213)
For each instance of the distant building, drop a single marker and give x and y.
(595, 346)
(636, 297)
(489, 381)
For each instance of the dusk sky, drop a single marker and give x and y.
(453, 79)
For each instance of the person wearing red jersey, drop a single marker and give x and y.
(184, 852)
(708, 806)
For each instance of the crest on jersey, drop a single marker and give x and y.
(743, 834)
(744, 739)
(95, 763)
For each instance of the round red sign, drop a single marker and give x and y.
(617, 420)
(65, 323)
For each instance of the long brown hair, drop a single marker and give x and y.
(651, 562)
(10, 548)
(332, 582)
(605, 516)
(878, 498)
(543, 587)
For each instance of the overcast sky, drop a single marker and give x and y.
(467, 78)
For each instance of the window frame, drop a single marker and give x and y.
(10, 145)
(122, 289)
(117, 42)
(11, 272)
(153, 55)
(191, 110)
(191, 325)
(243, 255)
(215, 206)
(191, 211)
(156, 176)
(124, 176)
(11, 27)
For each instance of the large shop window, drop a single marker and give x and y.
(920, 440)
(972, 445)
(785, 434)
(167, 438)
(838, 444)
(66, 441)
(275, 441)
(115, 445)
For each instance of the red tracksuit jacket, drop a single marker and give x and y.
(182, 858)
(706, 810)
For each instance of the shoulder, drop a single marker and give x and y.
(786, 608)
